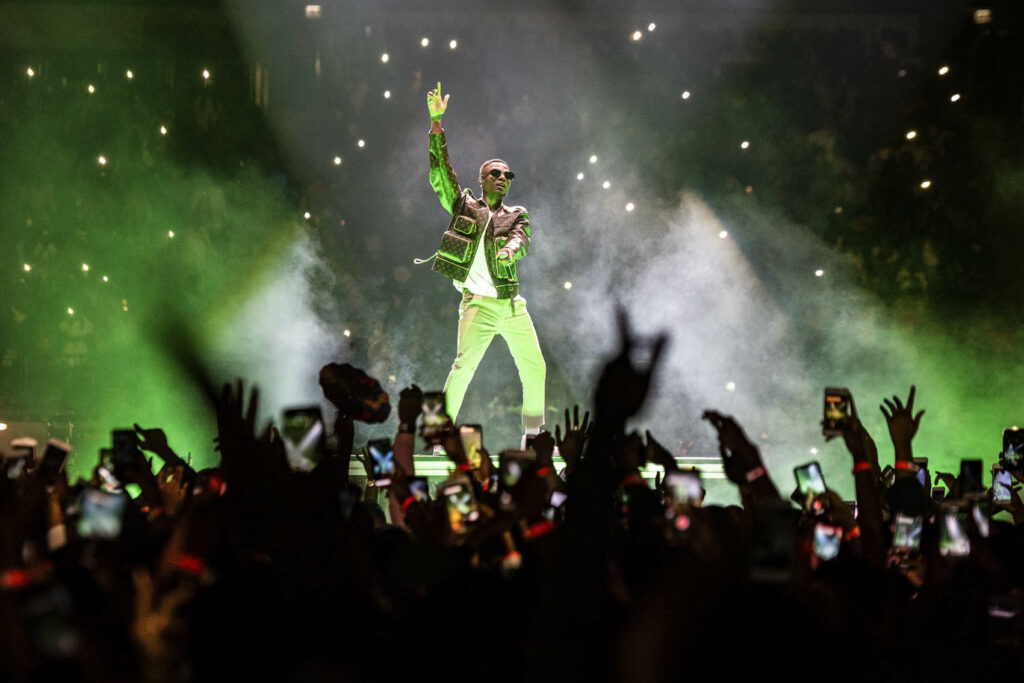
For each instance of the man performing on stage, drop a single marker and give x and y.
(478, 253)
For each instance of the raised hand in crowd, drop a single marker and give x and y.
(902, 424)
(571, 445)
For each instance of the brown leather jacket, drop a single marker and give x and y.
(510, 227)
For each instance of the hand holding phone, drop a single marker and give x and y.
(837, 413)
(381, 459)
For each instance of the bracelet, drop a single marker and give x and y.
(755, 473)
(862, 467)
(853, 533)
(407, 502)
(190, 564)
(903, 465)
(539, 529)
(633, 479)
(543, 471)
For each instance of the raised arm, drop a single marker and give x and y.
(442, 177)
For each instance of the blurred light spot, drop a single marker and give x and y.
(819, 272)
(629, 206)
(385, 57)
(3, 426)
(744, 144)
(682, 522)
(424, 41)
(91, 88)
(170, 233)
(85, 267)
(361, 143)
(337, 161)
(911, 134)
(314, 11)
(637, 35)
(982, 16)
(27, 267)
(452, 44)
(955, 97)
(71, 311)
(723, 234)
(730, 386)
(686, 94)
(30, 72)
(925, 184)
(387, 94)
(837, 210)
(206, 74)
(814, 451)
(567, 285)
(651, 26)
(106, 279)
(901, 73)
(347, 333)
(593, 158)
(129, 75)
(392, 378)
(101, 160)
(306, 215)
(579, 176)
(606, 184)
(943, 70)
(749, 189)
(163, 130)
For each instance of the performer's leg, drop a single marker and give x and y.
(518, 332)
(477, 327)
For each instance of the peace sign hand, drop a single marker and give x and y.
(435, 104)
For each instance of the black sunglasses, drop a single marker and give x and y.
(495, 173)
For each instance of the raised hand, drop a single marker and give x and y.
(576, 434)
(622, 387)
(740, 458)
(435, 104)
(544, 447)
(902, 423)
(660, 455)
(410, 405)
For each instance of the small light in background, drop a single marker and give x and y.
(206, 74)
(629, 206)
(749, 189)
(723, 234)
(686, 94)
(902, 73)
(982, 16)
(106, 279)
(387, 94)
(838, 210)
(730, 386)
(452, 44)
(129, 75)
(163, 130)
(593, 158)
(347, 333)
(85, 267)
(337, 161)
(955, 97)
(392, 378)
(567, 285)
(314, 11)
(911, 134)
(91, 88)
(943, 70)
(385, 57)
(27, 267)
(651, 26)
(101, 160)
(814, 451)
(925, 184)
(637, 35)
(306, 215)
(30, 72)
(606, 184)
(71, 311)
(819, 272)
(360, 143)
(424, 41)
(3, 426)
(170, 233)
(579, 176)
(744, 145)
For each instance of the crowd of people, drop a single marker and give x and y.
(258, 570)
